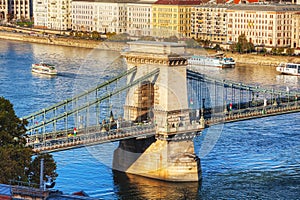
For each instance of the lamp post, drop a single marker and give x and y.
(202, 120)
(42, 175)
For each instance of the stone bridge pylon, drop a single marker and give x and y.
(162, 101)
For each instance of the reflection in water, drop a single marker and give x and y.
(256, 75)
(288, 79)
(146, 188)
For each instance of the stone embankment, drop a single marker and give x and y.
(251, 59)
(268, 60)
(63, 41)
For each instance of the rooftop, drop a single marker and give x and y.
(179, 2)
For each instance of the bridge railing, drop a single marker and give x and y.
(254, 112)
(62, 118)
(195, 126)
(87, 136)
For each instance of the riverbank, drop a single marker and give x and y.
(62, 41)
(251, 59)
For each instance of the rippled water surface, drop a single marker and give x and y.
(255, 159)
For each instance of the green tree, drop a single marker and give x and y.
(15, 157)
(290, 51)
(191, 43)
(172, 38)
(280, 50)
(49, 167)
(274, 50)
(13, 162)
(147, 38)
(12, 128)
(242, 44)
(206, 43)
(95, 35)
(72, 33)
(263, 50)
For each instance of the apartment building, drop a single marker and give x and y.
(15, 10)
(52, 14)
(101, 16)
(139, 16)
(295, 40)
(267, 25)
(172, 17)
(209, 22)
(3, 10)
(40, 13)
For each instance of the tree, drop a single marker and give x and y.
(15, 157)
(274, 50)
(172, 38)
(263, 50)
(49, 167)
(280, 50)
(290, 51)
(191, 43)
(95, 35)
(13, 162)
(147, 38)
(11, 127)
(242, 43)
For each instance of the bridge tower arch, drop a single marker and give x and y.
(162, 101)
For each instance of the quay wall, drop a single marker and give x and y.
(247, 59)
(61, 41)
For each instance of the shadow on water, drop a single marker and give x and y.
(129, 186)
(67, 74)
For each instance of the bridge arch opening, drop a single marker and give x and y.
(144, 100)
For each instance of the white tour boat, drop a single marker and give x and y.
(289, 68)
(227, 62)
(44, 68)
(211, 61)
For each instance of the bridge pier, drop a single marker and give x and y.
(169, 155)
(162, 159)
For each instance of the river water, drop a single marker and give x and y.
(255, 159)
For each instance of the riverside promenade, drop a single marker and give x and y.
(25, 36)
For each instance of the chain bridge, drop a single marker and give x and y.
(159, 102)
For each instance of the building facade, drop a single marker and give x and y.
(11, 10)
(139, 18)
(263, 25)
(295, 40)
(100, 16)
(52, 14)
(209, 22)
(268, 25)
(3, 10)
(172, 17)
(40, 13)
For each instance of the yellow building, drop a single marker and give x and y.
(172, 17)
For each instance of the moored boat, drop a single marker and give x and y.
(44, 68)
(289, 68)
(227, 62)
(211, 61)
